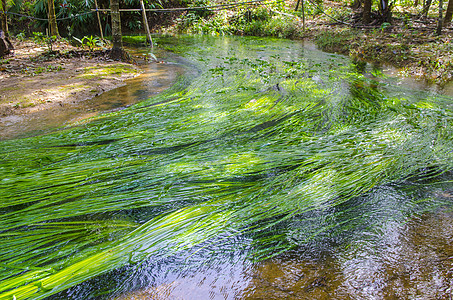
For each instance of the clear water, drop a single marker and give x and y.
(254, 127)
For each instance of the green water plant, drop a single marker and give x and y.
(257, 144)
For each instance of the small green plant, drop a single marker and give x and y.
(40, 70)
(38, 38)
(90, 41)
(5, 61)
(21, 36)
(50, 40)
(41, 39)
(384, 26)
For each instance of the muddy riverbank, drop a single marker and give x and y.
(34, 80)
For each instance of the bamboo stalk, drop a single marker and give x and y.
(145, 22)
(303, 16)
(52, 19)
(99, 19)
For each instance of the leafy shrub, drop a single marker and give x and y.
(334, 41)
(257, 21)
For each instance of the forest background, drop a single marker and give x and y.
(413, 35)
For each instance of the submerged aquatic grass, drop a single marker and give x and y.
(261, 138)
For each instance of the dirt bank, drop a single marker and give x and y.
(35, 79)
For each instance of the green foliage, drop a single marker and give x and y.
(66, 12)
(50, 40)
(335, 41)
(91, 42)
(39, 70)
(9, 3)
(4, 61)
(41, 39)
(201, 13)
(384, 26)
(134, 39)
(21, 36)
(263, 142)
(38, 37)
(282, 27)
(257, 21)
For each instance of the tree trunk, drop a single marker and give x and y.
(385, 10)
(4, 19)
(117, 52)
(448, 13)
(426, 8)
(439, 21)
(303, 16)
(5, 45)
(356, 4)
(366, 17)
(52, 18)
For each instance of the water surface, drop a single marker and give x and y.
(272, 170)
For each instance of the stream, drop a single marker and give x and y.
(240, 168)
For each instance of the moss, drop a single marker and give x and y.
(101, 71)
(134, 39)
(27, 104)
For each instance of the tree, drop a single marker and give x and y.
(117, 51)
(52, 18)
(426, 7)
(448, 13)
(439, 22)
(4, 20)
(385, 10)
(357, 4)
(5, 45)
(366, 16)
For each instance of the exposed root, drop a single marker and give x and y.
(121, 55)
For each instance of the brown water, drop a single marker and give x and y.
(414, 261)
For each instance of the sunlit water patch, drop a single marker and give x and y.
(275, 159)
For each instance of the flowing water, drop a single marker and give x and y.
(269, 170)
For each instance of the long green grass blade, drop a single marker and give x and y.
(251, 146)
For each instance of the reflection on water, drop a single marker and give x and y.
(413, 261)
(156, 77)
(399, 259)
